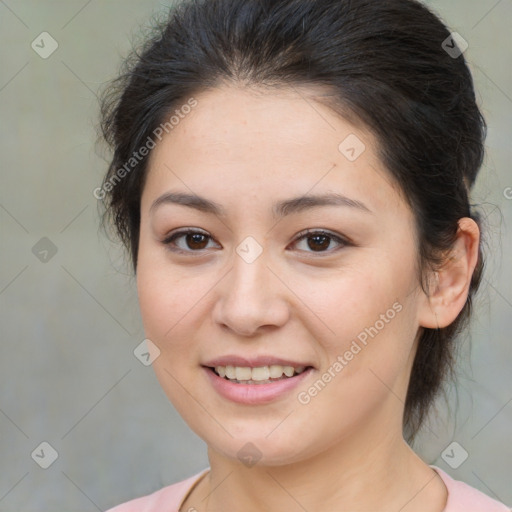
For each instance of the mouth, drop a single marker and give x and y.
(257, 375)
(256, 380)
(256, 385)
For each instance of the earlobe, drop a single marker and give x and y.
(449, 292)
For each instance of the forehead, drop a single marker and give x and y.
(239, 140)
(232, 115)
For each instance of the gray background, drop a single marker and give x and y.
(69, 325)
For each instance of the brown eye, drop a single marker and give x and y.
(319, 241)
(197, 241)
(193, 241)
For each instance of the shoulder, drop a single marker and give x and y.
(168, 498)
(464, 498)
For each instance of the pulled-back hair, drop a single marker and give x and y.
(386, 65)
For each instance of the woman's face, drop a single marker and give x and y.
(250, 289)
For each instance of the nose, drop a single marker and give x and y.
(252, 298)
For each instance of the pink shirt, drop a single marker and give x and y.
(461, 497)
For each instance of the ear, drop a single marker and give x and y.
(449, 290)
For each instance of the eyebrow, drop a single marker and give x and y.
(281, 209)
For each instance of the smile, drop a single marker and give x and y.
(258, 375)
(255, 385)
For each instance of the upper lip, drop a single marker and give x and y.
(252, 362)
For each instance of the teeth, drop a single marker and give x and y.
(276, 371)
(243, 373)
(259, 374)
(288, 370)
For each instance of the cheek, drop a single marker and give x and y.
(165, 302)
(166, 309)
(371, 316)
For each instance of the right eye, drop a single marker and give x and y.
(194, 241)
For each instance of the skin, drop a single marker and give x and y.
(247, 149)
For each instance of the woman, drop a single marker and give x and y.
(291, 179)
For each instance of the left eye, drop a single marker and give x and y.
(319, 240)
(196, 241)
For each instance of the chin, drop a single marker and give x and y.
(252, 447)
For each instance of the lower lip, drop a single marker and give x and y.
(254, 394)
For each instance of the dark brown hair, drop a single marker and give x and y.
(387, 66)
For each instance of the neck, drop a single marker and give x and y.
(369, 470)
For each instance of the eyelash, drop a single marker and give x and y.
(301, 236)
